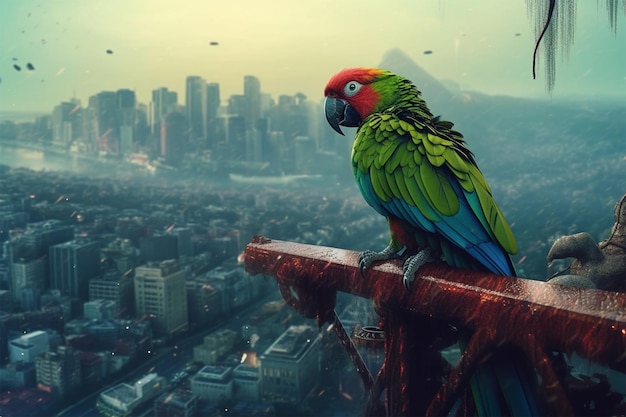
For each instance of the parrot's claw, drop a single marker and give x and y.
(368, 257)
(412, 265)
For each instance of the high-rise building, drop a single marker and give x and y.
(252, 96)
(126, 116)
(72, 264)
(27, 252)
(65, 122)
(290, 367)
(28, 275)
(163, 102)
(173, 138)
(204, 303)
(236, 138)
(160, 294)
(115, 287)
(213, 102)
(183, 236)
(59, 371)
(105, 122)
(195, 106)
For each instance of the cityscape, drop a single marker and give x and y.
(103, 274)
(248, 133)
(121, 275)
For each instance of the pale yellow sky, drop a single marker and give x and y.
(291, 46)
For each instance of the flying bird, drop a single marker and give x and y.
(416, 170)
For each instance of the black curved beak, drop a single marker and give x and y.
(340, 113)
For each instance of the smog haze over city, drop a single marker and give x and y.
(146, 143)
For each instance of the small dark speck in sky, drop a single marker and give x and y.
(428, 52)
(109, 51)
(30, 67)
(17, 67)
(518, 34)
(213, 43)
(14, 59)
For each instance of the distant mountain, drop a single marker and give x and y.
(432, 89)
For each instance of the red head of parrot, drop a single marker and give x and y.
(351, 97)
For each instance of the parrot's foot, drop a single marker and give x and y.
(368, 257)
(412, 265)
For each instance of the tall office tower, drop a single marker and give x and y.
(163, 102)
(252, 96)
(212, 107)
(105, 122)
(183, 236)
(29, 249)
(173, 138)
(212, 100)
(72, 264)
(28, 281)
(126, 116)
(195, 106)
(290, 367)
(65, 122)
(113, 286)
(38, 237)
(160, 293)
(236, 138)
(59, 371)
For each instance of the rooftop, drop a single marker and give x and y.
(293, 343)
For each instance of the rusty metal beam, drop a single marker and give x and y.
(589, 322)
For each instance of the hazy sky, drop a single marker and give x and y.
(292, 46)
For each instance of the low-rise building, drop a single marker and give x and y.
(215, 346)
(26, 347)
(213, 383)
(179, 403)
(290, 367)
(122, 399)
(247, 383)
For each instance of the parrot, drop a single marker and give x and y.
(414, 169)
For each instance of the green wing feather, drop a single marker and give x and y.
(414, 163)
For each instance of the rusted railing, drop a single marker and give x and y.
(532, 317)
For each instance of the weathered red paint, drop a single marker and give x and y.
(534, 316)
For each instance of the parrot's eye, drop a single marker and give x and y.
(352, 88)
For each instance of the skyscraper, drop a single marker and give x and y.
(127, 115)
(195, 106)
(160, 293)
(72, 264)
(212, 107)
(252, 97)
(104, 122)
(163, 102)
(173, 138)
(28, 281)
(65, 126)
